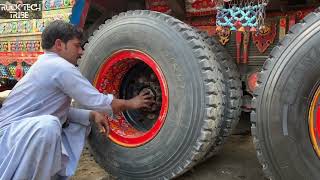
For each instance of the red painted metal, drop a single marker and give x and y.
(109, 80)
(282, 27)
(292, 21)
(252, 81)
(238, 44)
(317, 129)
(158, 5)
(7, 58)
(200, 7)
(201, 21)
(302, 13)
(246, 41)
(18, 71)
(314, 122)
(265, 37)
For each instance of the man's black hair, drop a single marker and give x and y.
(59, 29)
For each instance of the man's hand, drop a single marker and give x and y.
(143, 100)
(101, 122)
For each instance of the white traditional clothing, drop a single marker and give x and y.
(33, 144)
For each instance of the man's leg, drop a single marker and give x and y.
(33, 148)
(73, 141)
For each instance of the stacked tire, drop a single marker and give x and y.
(233, 92)
(173, 62)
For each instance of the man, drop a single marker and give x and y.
(35, 142)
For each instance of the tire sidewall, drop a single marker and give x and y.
(287, 96)
(185, 86)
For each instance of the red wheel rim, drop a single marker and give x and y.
(314, 122)
(108, 81)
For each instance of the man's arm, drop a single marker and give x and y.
(143, 100)
(80, 116)
(87, 117)
(71, 82)
(100, 120)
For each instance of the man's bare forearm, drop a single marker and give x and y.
(119, 105)
(143, 100)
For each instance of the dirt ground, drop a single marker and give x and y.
(237, 161)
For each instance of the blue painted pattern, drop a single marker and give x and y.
(247, 16)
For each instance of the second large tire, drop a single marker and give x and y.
(194, 87)
(283, 103)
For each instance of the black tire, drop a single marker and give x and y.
(281, 104)
(195, 94)
(233, 92)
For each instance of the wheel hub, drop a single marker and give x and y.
(141, 79)
(125, 74)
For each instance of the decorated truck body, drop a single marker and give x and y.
(20, 40)
(200, 59)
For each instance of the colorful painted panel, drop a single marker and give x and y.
(13, 65)
(29, 26)
(158, 5)
(200, 7)
(57, 4)
(20, 46)
(20, 40)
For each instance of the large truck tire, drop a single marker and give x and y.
(233, 92)
(145, 50)
(286, 115)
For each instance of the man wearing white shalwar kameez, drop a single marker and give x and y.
(33, 143)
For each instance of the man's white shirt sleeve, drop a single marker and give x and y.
(71, 82)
